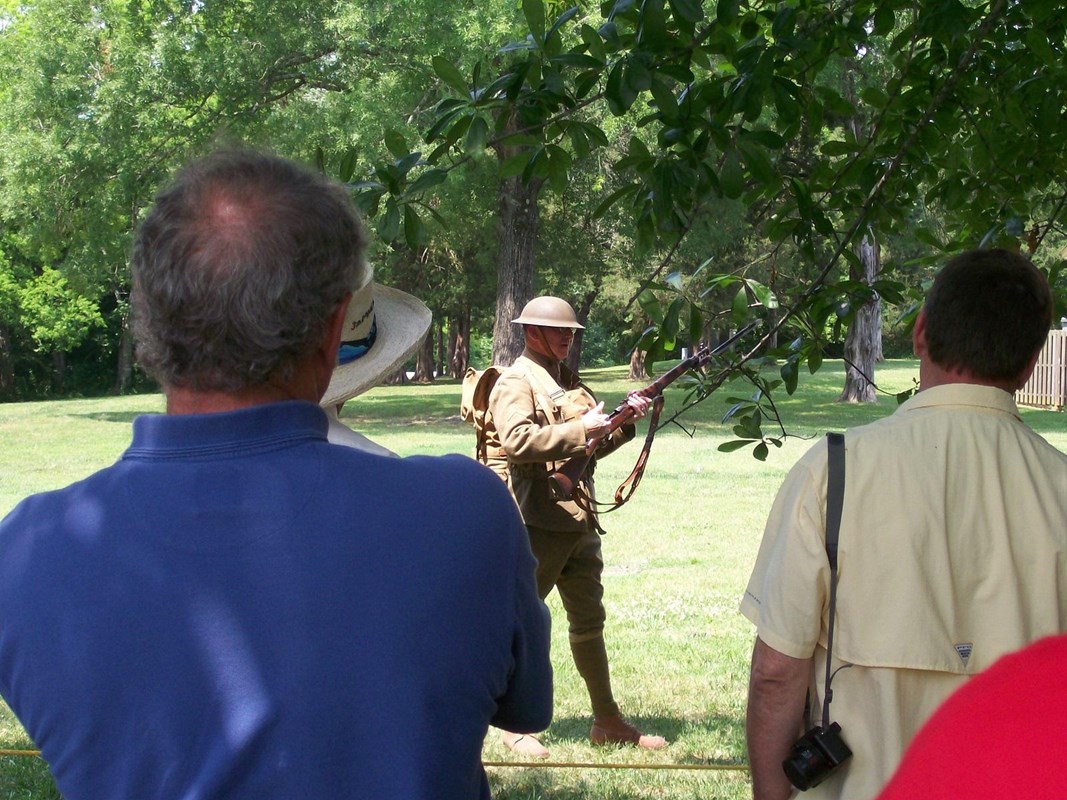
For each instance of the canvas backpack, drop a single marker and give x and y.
(477, 385)
(474, 408)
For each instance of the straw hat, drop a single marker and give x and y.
(383, 327)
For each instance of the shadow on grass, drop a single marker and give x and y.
(579, 771)
(125, 417)
(26, 778)
(575, 730)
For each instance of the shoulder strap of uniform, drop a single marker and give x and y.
(547, 392)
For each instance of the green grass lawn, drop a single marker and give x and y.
(677, 560)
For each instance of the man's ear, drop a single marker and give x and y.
(331, 340)
(918, 334)
(535, 340)
(1024, 376)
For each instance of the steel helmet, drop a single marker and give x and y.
(549, 312)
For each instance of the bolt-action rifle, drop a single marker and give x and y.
(564, 481)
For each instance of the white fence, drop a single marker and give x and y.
(1047, 387)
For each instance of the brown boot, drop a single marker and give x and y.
(524, 744)
(616, 730)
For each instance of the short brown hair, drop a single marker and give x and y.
(988, 313)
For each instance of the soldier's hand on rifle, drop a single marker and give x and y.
(596, 421)
(639, 403)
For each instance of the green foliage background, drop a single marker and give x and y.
(722, 155)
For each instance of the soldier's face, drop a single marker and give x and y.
(552, 342)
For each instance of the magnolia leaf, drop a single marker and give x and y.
(515, 164)
(731, 177)
(412, 227)
(427, 180)
(739, 307)
(404, 165)
(734, 444)
(562, 20)
(696, 324)
(814, 360)
(348, 165)
(613, 198)
(884, 19)
(477, 135)
(650, 305)
(447, 72)
(790, 376)
(394, 142)
(441, 123)
(534, 11)
(726, 11)
(619, 94)
(389, 227)
(690, 10)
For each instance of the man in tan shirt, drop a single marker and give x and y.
(543, 416)
(953, 542)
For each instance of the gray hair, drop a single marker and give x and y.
(237, 268)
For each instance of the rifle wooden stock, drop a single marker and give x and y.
(564, 481)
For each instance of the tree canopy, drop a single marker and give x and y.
(829, 121)
(707, 162)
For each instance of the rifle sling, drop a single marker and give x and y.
(627, 488)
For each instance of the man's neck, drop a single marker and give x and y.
(547, 362)
(181, 400)
(931, 375)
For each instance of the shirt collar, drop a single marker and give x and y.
(964, 394)
(550, 365)
(269, 425)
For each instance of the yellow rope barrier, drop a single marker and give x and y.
(598, 765)
(529, 764)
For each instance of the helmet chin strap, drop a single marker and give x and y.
(539, 341)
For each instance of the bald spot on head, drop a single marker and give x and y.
(231, 223)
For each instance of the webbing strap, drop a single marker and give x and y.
(627, 488)
(835, 499)
(547, 400)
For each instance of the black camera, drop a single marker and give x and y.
(815, 755)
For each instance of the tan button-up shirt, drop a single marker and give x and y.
(953, 551)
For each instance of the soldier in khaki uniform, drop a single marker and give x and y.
(544, 415)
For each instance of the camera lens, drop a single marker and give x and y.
(804, 767)
(815, 755)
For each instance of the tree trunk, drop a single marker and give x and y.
(124, 369)
(59, 371)
(863, 344)
(459, 344)
(424, 359)
(637, 366)
(398, 378)
(126, 360)
(7, 370)
(574, 357)
(518, 217)
(440, 364)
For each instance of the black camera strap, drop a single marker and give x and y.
(835, 499)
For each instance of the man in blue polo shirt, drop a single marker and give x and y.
(238, 608)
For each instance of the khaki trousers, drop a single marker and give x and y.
(571, 562)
